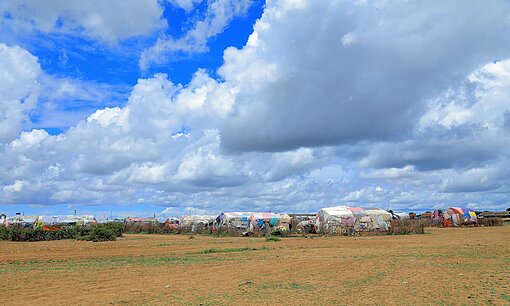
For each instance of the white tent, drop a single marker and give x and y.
(347, 220)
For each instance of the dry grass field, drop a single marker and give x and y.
(443, 267)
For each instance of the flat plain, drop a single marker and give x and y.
(445, 266)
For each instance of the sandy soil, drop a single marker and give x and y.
(444, 267)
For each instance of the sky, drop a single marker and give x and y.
(171, 107)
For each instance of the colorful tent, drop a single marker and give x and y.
(20, 221)
(247, 221)
(196, 222)
(460, 215)
(129, 220)
(64, 220)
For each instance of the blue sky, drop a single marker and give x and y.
(192, 106)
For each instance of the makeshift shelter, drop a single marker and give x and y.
(380, 219)
(55, 222)
(172, 223)
(302, 223)
(129, 220)
(348, 220)
(246, 222)
(20, 221)
(460, 216)
(196, 223)
(401, 216)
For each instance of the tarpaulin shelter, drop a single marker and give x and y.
(460, 215)
(129, 220)
(247, 221)
(43, 222)
(401, 216)
(20, 221)
(196, 222)
(345, 220)
(172, 223)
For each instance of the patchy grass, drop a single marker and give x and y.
(364, 281)
(272, 238)
(505, 297)
(164, 244)
(23, 266)
(285, 286)
(230, 250)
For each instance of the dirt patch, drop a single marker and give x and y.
(446, 266)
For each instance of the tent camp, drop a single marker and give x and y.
(246, 222)
(348, 220)
(459, 216)
(129, 220)
(47, 222)
(20, 221)
(196, 223)
(172, 223)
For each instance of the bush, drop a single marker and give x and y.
(490, 222)
(279, 232)
(117, 228)
(98, 232)
(101, 233)
(404, 227)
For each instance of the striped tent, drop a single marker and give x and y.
(460, 215)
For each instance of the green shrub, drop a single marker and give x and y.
(277, 232)
(102, 233)
(97, 232)
(117, 228)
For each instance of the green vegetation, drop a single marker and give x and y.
(272, 238)
(280, 232)
(97, 232)
(230, 250)
(47, 265)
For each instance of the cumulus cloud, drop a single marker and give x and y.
(364, 72)
(217, 17)
(106, 21)
(379, 104)
(19, 89)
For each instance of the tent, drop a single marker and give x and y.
(20, 221)
(401, 216)
(44, 222)
(248, 221)
(347, 220)
(172, 223)
(196, 222)
(129, 220)
(460, 215)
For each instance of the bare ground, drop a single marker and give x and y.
(444, 267)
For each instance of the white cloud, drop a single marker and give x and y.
(17, 186)
(298, 121)
(19, 89)
(107, 21)
(301, 84)
(186, 5)
(217, 17)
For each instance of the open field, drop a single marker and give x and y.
(449, 266)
